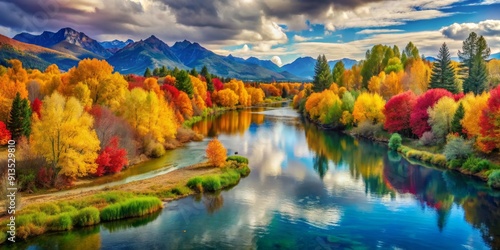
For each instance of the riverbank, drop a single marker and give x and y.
(46, 213)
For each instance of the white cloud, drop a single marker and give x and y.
(462, 30)
(276, 60)
(377, 31)
(485, 2)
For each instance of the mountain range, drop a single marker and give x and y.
(67, 46)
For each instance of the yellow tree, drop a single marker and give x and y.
(494, 73)
(474, 106)
(216, 153)
(392, 85)
(417, 76)
(226, 98)
(375, 82)
(441, 116)
(65, 138)
(12, 82)
(151, 84)
(239, 89)
(369, 107)
(82, 93)
(256, 95)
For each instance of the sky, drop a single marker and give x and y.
(279, 30)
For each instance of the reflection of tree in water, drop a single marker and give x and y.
(363, 158)
(213, 202)
(483, 212)
(119, 225)
(231, 122)
(427, 186)
(87, 238)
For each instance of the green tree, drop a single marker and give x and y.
(397, 52)
(456, 123)
(389, 53)
(474, 52)
(194, 72)
(156, 72)
(411, 51)
(163, 71)
(322, 76)
(15, 122)
(208, 78)
(338, 72)
(147, 73)
(373, 64)
(183, 83)
(443, 73)
(26, 114)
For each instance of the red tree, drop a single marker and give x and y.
(419, 116)
(170, 89)
(217, 84)
(490, 122)
(397, 112)
(4, 134)
(208, 100)
(36, 106)
(111, 159)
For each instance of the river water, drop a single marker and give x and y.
(308, 189)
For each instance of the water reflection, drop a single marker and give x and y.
(316, 189)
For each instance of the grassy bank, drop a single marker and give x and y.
(87, 210)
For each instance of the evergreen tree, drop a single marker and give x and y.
(456, 123)
(474, 53)
(156, 72)
(147, 73)
(396, 51)
(26, 118)
(183, 83)
(204, 72)
(322, 77)
(15, 122)
(443, 75)
(338, 72)
(194, 72)
(284, 93)
(163, 71)
(175, 72)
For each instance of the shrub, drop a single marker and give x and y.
(195, 184)
(470, 163)
(482, 165)
(455, 163)
(61, 222)
(211, 183)
(439, 160)
(237, 158)
(457, 148)
(180, 190)
(367, 129)
(229, 178)
(427, 139)
(395, 141)
(131, 208)
(155, 149)
(87, 217)
(494, 179)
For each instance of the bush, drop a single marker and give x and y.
(180, 190)
(427, 139)
(87, 217)
(155, 149)
(211, 183)
(456, 163)
(395, 141)
(195, 184)
(471, 163)
(367, 129)
(61, 222)
(457, 148)
(494, 179)
(131, 208)
(482, 165)
(237, 158)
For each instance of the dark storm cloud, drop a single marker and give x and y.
(309, 8)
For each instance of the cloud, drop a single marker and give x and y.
(462, 30)
(377, 31)
(298, 38)
(276, 60)
(485, 2)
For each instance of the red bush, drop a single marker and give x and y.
(419, 116)
(490, 122)
(397, 112)
(217, 84)
(111, 159)
(170, 89)
(5, 134)
(36, 106)
(208, 100)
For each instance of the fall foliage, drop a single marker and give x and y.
(216, 153)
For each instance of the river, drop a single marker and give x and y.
(308, 189)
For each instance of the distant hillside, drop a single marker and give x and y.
(34, 56)
(63, 39)
(304, 66)
(115, 45)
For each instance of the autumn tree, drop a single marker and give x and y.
(490, 122)
(218, 85)
(373, 64)
(227, 98)
(474, 106)
(419, 117)
(474, 52)
(338, 72)
(443, 75)
(5, 135)
(65, 138)
(369, 107)
(184, 105)
(417, 76)
(11, 83)
(256, 95)
(441, 117)
(322, 74)
(392, 84)
(112, 159)
(397, 113)
(325, 106)
(216, 153)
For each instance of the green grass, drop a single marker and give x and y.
(131, 208)
(229, 176)
(237, 158)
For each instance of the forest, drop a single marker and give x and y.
(446, 113)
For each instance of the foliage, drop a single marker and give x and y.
(184, 84)
(456, 123)
(397, 112)
(457, 148)
(19, 123)
(338, 72)
(348, 102)
(494, 179)
(216, 153)
(322, 74)
(58, 137)
(5, 135)
(368, 129)
(419, 117)
(443, 75)
(490, 122)
(473, 55)
(395, 141)
(427, 139)
(369, 107)
(131, 208)
(226, 98)
(474, 106)
(111, 159)
(441, 117)
(324, 106)
(237, 158)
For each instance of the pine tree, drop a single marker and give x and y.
(443, 75)
(183, 83)
(26, 113)
(15, 122)
(194, 72)
(147, 73)
(322, 77)
(204, 72)
(456, 123)
(338, 72)
(156, 72)
(474, 52)
(163, 71)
